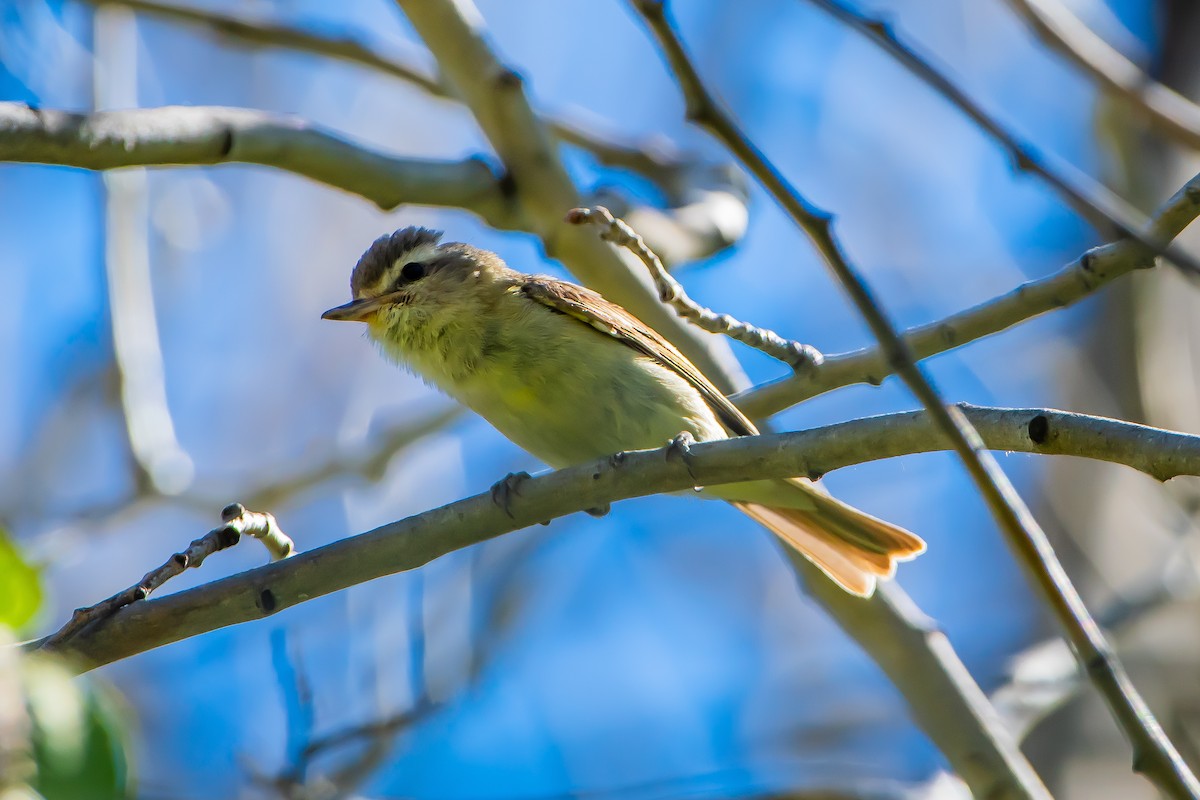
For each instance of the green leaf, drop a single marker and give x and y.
(20, 586)
(79, 741)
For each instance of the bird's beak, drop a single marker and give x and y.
(357, 310)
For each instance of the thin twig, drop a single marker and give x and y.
(237, 522)
(1154, 755)
(367, 462)
(1094, 269)
(299, 714)
(1094, 201)
(1058, 28)
(800, 357)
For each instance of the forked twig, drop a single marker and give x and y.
(1154, 754)
(800, 357)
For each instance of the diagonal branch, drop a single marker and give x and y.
(1167, 110)
(1090, 272)
(1154, 755)
(178, 135)
(1102, 207)
(454, 32)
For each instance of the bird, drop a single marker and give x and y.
(571, 377)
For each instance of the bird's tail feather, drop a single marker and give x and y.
(852, 547)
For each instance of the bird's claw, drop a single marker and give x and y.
(506, 488)
(680, 449)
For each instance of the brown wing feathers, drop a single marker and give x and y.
(592, 309)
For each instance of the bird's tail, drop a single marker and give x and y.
(852, 547)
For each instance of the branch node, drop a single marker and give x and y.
(267, 601)
(1039, 429)
(225, 147)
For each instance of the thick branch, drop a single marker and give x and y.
(454, 33)
(415, 541)
(178, 135)
(1154, 755)
(1059, 29)
(1091, 271)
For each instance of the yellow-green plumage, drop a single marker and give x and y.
(570, 377)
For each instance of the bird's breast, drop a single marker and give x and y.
(561, 390)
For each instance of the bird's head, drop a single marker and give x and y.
(409, 278)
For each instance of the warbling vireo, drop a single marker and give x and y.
(571, 377)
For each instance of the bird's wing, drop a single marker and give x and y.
(612, 320)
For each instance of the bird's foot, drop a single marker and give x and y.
(508, 487)
(680, 449)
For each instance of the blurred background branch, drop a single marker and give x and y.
(160, 461)
(1106, 210)
(706, 202)
(1168, 111)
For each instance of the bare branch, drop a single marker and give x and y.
(417, 540)
(1094, 201)
(707, 202)
(799, 357)
(178, 135)
(1154, 755)
(137, 353)
(454, 32)
(655, 163)
(1091, 271)
(237, 522)
(1165, 109)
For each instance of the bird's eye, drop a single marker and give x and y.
(412, 271)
